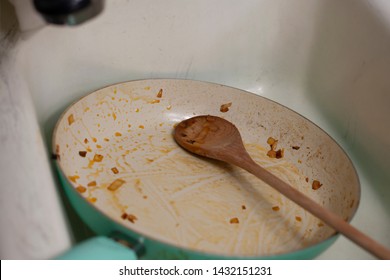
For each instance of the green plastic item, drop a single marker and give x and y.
(99, 248)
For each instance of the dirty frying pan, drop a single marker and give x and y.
(129, 181)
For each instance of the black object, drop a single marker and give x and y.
(69, 12)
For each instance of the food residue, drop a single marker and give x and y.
(91, 184)
(70, 119)
(272, 142)
(82, 153)
(85, 140)
(115, 170)
(273, 153)
(276, 208)
(97, 158)
(131, 218)
(298, 219)
(74, 178)
(118, 134)
(243, 207)
(225, 107)
(295, 147)
(159, 94)
(81, 189)
(316, 185)
(234, 220)
(116, 184)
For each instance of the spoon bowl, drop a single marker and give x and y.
(207, 136)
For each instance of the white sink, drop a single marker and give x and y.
(327, 60)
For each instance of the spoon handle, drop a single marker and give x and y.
(331, 219)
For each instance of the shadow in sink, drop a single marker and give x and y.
(348, 79)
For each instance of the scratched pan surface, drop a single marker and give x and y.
(115, 150)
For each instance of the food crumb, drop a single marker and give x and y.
(316, 185)
(92, 199)
(82, 153)
(74, 178)
(70, 119)
(91, 184)
(85, 140)
(124, 216)
(81, 189)
(295, 147)
(131, 218)
(234, 220)
(116, 184)
(141, 126)
(225, 107)
(118, 134)
(159, 94)
(276, 208)
(273, 153)
(320, 224)
(115, 170)
(243, 207)
(279, 153)
(271, 141)
(97, 158)
(297, 218)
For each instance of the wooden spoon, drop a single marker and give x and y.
(217, 138)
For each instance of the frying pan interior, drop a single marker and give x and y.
(116, 151)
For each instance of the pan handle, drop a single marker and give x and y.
(99, 248)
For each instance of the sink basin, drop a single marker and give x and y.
(327, 60)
